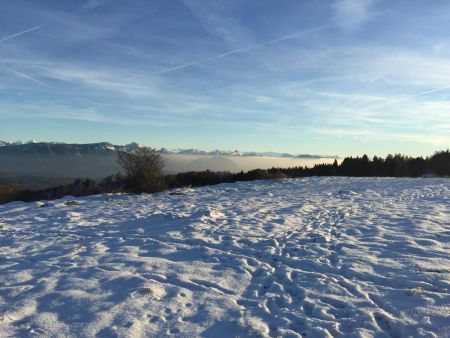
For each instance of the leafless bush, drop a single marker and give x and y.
(143, 170)
(8, 192)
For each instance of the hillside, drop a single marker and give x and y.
(313, 257)
(95, 160)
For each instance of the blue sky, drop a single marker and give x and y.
(338, 77)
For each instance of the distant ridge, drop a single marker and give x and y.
(34, 146)
(217, 152)
(43, 164)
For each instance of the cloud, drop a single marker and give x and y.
(112, 80)
(227, 72)
(263, 99)
(219, 19)
(374, 136)
(92, 4)
(351, 14)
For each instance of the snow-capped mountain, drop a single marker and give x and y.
(106, 146)
(51, 161)
(218, 152)
(9, 143)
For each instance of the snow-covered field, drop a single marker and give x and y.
(315, 257)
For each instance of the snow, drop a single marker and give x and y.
(10, 143)
(314, 257)
(236, 153)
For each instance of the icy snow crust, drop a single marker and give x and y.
(315, 257)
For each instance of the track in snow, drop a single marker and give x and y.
(315, 257)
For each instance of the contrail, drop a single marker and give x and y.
(237, 51)
(362, 88)
(422, 93)
(15, 71)
(405, 98)
(20, 33)
(25, 76)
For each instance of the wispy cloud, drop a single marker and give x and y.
(351, 14)
(220, 21)
(129, 84)
(164, 65)
(91, 4)
(372, 135)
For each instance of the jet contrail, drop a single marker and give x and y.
(236, 51)
(20, 33)
(25, 76)
(245, 49)
(405, 98)
(422, 93)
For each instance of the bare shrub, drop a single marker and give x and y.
(143, 170)
(9, 192)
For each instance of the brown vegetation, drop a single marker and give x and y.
(142, 174)
(143, 170)
(8, 192)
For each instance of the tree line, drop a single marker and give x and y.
(142, 173)
(391, 166)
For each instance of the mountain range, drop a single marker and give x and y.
(42, 164)
(57, 147)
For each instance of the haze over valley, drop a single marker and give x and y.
(40, 165)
